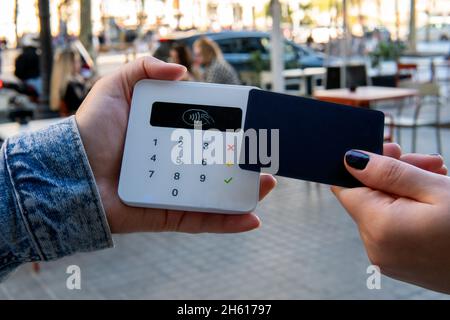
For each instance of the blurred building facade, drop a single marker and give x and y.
(166, 16)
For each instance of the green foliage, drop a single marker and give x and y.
(306, 8)
(386, 51)
(286, 12)
(257, 63)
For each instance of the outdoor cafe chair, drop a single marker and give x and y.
(429, 95)
(406, 71)
(356, 76)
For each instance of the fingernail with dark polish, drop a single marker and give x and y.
(357, 159)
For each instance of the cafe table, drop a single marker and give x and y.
(364, 97)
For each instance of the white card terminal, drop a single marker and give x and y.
(154, 172)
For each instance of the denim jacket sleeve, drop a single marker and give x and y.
(49, 203)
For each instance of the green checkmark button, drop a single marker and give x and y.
(228, 180)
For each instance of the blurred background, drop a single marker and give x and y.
(389, 55)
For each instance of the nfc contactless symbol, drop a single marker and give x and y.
(194, 115)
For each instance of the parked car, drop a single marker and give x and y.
(239, 48)
(437, 32)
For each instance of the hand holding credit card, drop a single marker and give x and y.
(313, 135)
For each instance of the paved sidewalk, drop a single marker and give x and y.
(307, 248)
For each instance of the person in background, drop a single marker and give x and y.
(68, 87)
(208, 55)
(310, 41)
(129, 39)
(27, 64)
(181, 54)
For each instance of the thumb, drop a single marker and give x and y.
(395, 177)
(144, 68)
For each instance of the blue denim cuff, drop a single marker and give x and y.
(55, 191)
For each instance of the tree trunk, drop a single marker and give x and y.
(397, 21)
(253, 17)
(276, 47)
(360, 14)
(412, 26)
(46, 57)
(344, 45)
(16, 14)
(142, 16)
(86, 25)
(430, 5)
(379, 13)
(176, 7)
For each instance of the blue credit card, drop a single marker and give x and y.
(311, 136)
